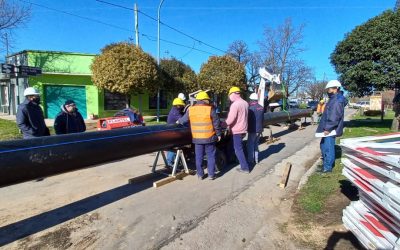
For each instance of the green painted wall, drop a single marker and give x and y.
(74, 69)
(92, 100)
(68, 80)
(59, 62)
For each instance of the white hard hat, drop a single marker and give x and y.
(254, 96)
(182, 96)
(31, 91)
(333, 84)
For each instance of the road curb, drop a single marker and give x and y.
(309, 172)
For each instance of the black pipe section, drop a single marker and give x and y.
(23, 160)
(271, 118)
(28, 159)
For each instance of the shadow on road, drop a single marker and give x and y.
(43, 221)
(346, 236)
(272, 149)
(289, 130)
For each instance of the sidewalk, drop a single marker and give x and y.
(49, 122)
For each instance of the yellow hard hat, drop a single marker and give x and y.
(202, 96)
(177, 102)
(233, 90)
(322, 101)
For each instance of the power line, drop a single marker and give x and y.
(78, 16)
(111, 25)
(169, 26)
(115, 5)
(154, 39)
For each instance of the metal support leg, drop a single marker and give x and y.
(153, 169)
(180, 156)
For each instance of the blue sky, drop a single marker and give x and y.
(215, 22)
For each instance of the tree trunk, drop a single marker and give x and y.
(128, 101)
(396, 109)
(396, 119)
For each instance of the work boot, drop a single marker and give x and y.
(242, 171)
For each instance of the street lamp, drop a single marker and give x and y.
(158, 56)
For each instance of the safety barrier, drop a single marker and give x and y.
(372, 164)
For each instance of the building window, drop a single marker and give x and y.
(153, 101)
(114, 101)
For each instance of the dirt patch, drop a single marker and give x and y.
(322, 230)
(60, 238)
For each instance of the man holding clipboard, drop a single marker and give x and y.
(331, 124)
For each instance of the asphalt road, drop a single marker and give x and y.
(96, 208)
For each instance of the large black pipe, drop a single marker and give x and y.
(23, 160)
(271, 118)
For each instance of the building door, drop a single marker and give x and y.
(56, 95)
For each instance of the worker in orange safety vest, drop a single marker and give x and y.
(206, 131)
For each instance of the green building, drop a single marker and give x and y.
(66, 76)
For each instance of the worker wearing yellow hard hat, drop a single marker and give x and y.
(237, 124)
(206, 131)
(233, 90)
(174, 115)
(178, 102)
(202, 96)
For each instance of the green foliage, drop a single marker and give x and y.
(220, 73)
(124, 68)
(177, 76)
(302, 105)
(9, 130)
(369, 57)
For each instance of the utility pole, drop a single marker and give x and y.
(7, 45)
(9, 80)
(136, 25)
(137, 45)
(158, 56)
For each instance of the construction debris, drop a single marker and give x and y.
(285, 176)
(372, 164)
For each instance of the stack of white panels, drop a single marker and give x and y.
(372, 164)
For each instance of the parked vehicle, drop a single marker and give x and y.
(293, 104)
(312, 105)
(362, 104)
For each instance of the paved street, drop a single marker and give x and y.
(97, 208)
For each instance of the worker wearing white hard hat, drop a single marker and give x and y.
(331, 123)
(30, 118)
(254, 128)
(182, 96)
(333, 84)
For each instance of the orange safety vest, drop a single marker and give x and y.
(320, 108)
(201, 122)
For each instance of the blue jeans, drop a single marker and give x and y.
(171, 158)
(238, 146)
(252, 147)
(210, 150)
(327, 146)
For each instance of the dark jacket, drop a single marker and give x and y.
(333, 116)
(216, 124)
(30, 120)
(174, 115)
(67, 123)
(255, 118)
